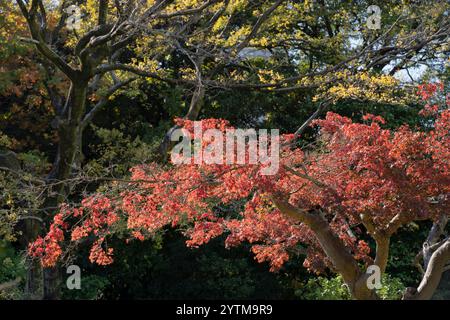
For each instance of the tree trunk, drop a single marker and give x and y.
(69, 147)
(69, 132)
(52, 281)
(33, 286)
(334, 248)
(382, 255)
(195, 107)
(432, 276)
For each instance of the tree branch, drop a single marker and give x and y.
(433, 273)
(333, 247)
(104, 100)
(40, 42)
(258, 25)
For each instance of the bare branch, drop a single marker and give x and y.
(258, 25)
(433, 273)
(104, 100)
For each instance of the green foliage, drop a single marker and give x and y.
(116, 153)
(92, 288)
(395, 116)
(405, 245)
(225, 277)
(19, 192)
(11, 269)
(334, 288)
(34, 162)
(11, 263)
(322, 288)
(391, 289)
(164, 268)
(5, 141)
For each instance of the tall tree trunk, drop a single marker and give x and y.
(69, 147)
(52, 283)
(33, 285)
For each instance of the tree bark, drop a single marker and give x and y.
(195, 107)
(69, 131)
(69, 148)
(433, 274)
(52, 283)
(382, 253)
(333, 247)
(33, 286)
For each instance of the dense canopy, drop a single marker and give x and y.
(93, 91)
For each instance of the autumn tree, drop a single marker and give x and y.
(359, 180)
(95, 68)
(119, 42)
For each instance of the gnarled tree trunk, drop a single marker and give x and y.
(333, 247)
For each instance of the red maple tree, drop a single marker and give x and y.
(359, 180)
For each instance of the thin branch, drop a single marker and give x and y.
(104, 100)
(307, 177)
(322, 106)
(258, 25)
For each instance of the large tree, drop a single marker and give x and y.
(200, 45)
(358, 181)
(97, 64)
